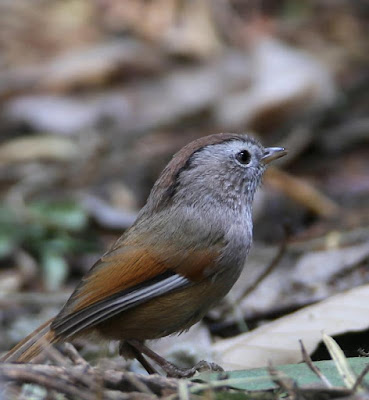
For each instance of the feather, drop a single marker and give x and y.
(100, 311)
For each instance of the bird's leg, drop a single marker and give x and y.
(170, 369)
(137, 355)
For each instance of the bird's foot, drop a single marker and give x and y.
(174, 372)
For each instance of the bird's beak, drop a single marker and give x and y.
(272, 153)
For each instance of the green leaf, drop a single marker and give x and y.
(64, 215)
(258, 379)
(55, 270)
(7, 245)
(11, 232)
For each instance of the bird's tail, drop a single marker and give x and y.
(32, 345)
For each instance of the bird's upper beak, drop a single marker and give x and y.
(272, 153)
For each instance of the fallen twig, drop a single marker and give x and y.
(269, 269)
(302, 192)
(85, 383)
(313, 367)
(360, 379)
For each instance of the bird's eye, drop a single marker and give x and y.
(243, 157)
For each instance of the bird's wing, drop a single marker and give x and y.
(129, 275)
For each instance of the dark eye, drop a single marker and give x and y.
(243, 157)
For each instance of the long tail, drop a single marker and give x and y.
(32, 345)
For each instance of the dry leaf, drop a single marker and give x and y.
(38, 147)
(309, 269)
(285, 80)
(278, 342)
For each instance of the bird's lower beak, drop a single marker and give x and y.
(272, 153)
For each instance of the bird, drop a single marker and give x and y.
(181, 256)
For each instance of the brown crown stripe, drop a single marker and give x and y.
(180, 159)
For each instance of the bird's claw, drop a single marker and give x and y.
(201, 366)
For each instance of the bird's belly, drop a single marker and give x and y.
(165, 315)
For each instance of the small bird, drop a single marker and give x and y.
(182, 255)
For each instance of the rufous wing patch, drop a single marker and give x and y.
(127, 266)
(115, 272)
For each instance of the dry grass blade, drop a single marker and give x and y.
(340, 360)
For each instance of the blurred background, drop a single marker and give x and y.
(97, 95)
